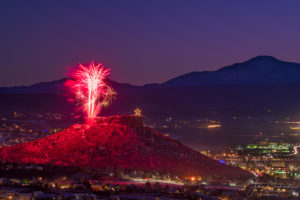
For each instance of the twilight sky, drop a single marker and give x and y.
(142, 41)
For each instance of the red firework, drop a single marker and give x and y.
(90, 89)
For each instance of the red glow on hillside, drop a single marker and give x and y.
(118, 142)
(90, 89)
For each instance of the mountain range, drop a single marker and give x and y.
(260, 86)
(258, 70)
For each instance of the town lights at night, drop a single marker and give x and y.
(150, 100)
(214, 126)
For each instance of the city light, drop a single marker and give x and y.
(214, 126)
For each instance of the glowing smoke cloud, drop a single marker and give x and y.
(91, 90)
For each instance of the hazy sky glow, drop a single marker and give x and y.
(142, 41)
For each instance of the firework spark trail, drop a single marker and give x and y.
(90, 89)
(296, 150)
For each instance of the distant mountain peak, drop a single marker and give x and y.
(263, 58)
(258, 70)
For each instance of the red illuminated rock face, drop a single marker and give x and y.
(117, 142)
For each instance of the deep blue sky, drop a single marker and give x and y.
(142, 41)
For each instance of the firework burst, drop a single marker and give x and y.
(90, 89)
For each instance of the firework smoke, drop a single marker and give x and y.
(90, 89)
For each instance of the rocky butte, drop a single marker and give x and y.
(118, 142)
